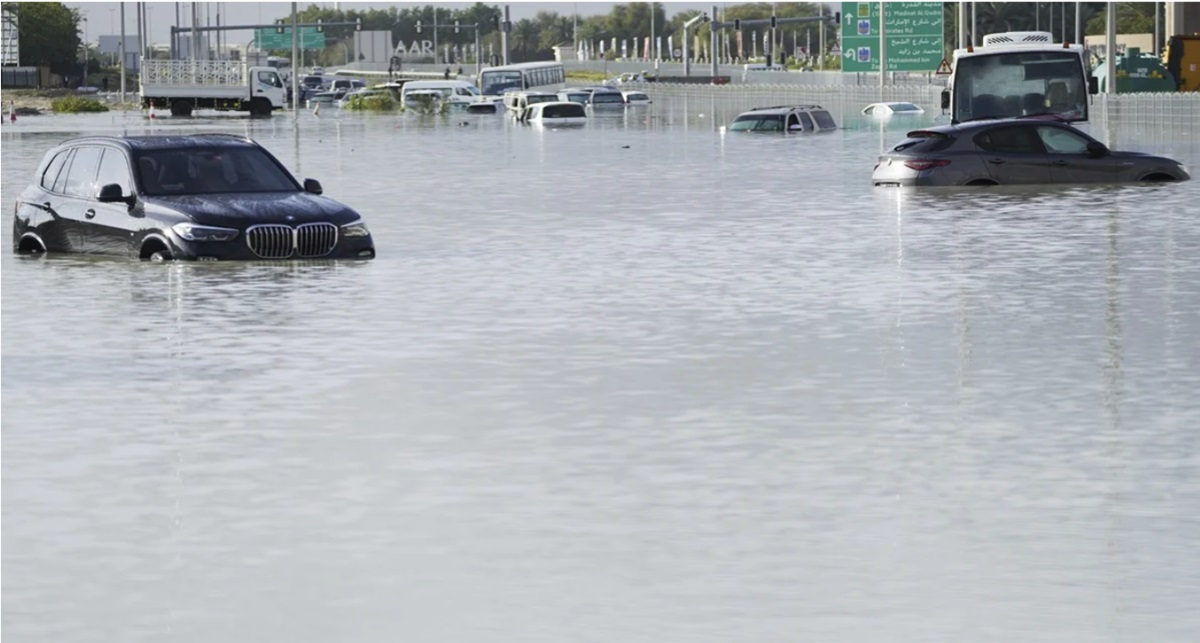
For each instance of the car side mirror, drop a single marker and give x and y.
(113, 193)
(945, 99)
(1093, 85)
(1096, 149)
(312, 186)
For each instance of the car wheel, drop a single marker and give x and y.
(1157, 177)
(260, 107)
(181, 108)
(160, 255)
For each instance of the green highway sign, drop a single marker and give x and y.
(912, 31)
(310, 38)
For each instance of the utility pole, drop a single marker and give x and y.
(504, 29)
(122, 46)
(193, 47)
(295, 68)
(141, 45)
(1078, 28)
(882, 49)
(1110, 49)
(435, 30)
(821, 38)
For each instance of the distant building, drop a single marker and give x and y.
(10, 45)
(564, 52)
(110, 46)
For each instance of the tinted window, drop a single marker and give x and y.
(269, 78)
(824, 120)
(211, 171)
(806, 122)
(60, 182)
(905, 107)
(1059, 140)
(1010, 140)
(757, 123)
(114, 169)
(81, 179)
(52, 170)
(924, 142)
(563, 111)
(606, 98)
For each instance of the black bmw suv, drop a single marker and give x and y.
(200, 197)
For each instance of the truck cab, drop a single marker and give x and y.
(1019, 73)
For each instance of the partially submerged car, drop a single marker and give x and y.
(201, 197)
(634, 97)
(785, 118)
(884, 110)
(554, 114)
(1013, 152)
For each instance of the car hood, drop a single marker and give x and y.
(241, 210)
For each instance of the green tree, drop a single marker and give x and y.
(1132, 17)
(49, 35)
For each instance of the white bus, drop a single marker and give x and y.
(547, 76)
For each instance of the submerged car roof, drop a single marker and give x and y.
(783, 109)
(168, 142)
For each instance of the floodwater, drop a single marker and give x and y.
(637, 381)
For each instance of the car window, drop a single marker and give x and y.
(60, 181)
(81, 179)
(52, 170)
(869, 110)
(824, 120)
(211, 171)
(1010, 140)
(114, 169)
(1062, 141)
(269, 78)
(806, 122)
(924, 141)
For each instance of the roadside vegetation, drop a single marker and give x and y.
(76, 105)
(372, 103)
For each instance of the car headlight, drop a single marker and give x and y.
(193, 232)
(355, 229)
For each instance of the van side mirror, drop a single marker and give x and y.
(312, 186)
(1093, 85)
(1096, 149)
(945, 99)
(113, 193)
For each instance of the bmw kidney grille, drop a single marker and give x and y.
(277, 241)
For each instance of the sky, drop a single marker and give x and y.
(104, 17)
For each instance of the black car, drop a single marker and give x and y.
(201, 197)
(1012, 152)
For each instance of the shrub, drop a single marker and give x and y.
(373, 103)
(76, 104)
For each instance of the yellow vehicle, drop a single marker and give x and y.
(1183, 61)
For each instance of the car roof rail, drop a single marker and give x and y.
(239, 137)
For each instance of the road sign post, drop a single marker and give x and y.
(912, 36)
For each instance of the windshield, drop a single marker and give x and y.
(211, 171)
(495, 83)
(757, 123)
(1009, 85)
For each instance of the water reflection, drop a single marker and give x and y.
(722, 368)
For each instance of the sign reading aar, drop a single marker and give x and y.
(912, 33)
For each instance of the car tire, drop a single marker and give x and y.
(260, 107)
(159, 256)
(181, 108)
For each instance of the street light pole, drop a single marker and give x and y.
(122, 51)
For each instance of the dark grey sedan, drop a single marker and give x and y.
(1012, 152)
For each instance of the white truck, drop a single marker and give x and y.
(1019, 73)
(227, 85)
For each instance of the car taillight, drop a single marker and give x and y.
(925, 164)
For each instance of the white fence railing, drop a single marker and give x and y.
(193, 72)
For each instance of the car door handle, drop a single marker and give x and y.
(90, 214)
(996, 161)
(1059, 163)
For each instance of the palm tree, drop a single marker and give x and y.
(524, 40)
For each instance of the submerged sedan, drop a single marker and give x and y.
(1012, 152)
(202, 197)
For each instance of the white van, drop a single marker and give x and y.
(455, 91)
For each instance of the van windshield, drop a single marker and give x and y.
(1012, 84)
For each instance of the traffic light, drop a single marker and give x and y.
(320, 27)
(772, 22)
(358, 24)
(737, 24)
(455, 26)
(279, 26)
(837, 17)
(418, 26)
